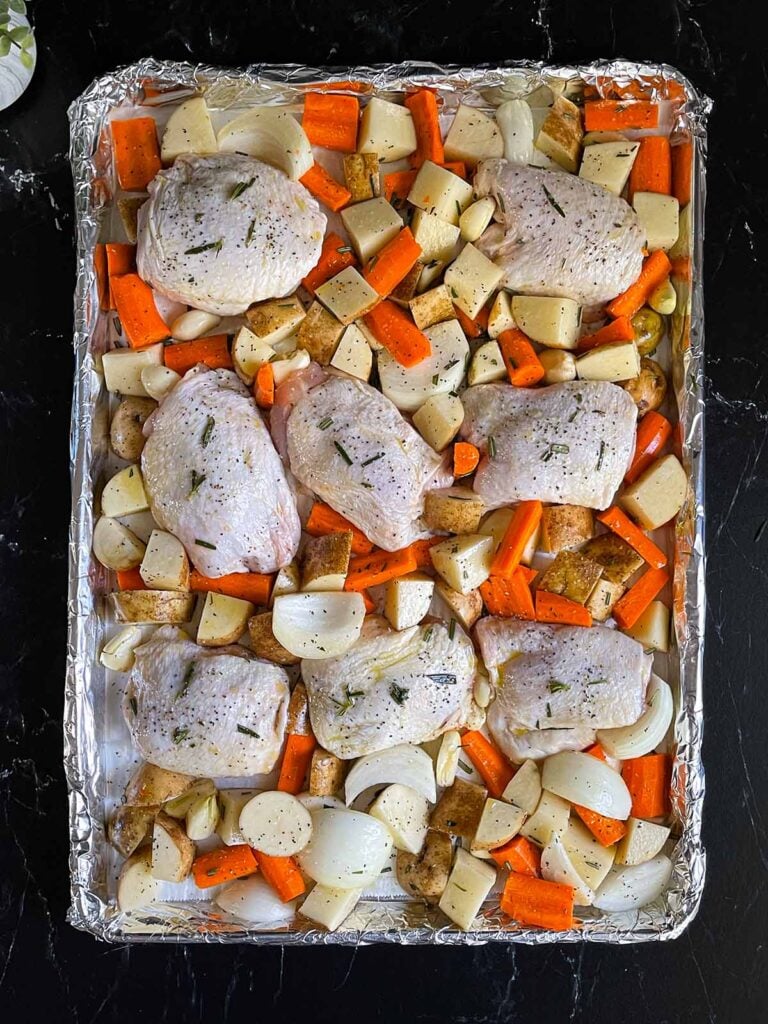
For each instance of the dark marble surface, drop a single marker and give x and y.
(718, 970)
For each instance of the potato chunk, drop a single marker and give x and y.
(603, 598)
(466, 608)
(453, 510)
(426, 874)
(326, 773)
(552, 321)
(561, 134)
(468, 885)
(361, 174)
(439, 420)
(658, 495)
(459, 809)
(565, 526)
(472, 137)
(353, 354)
(275, 319)
(436, 237)
(165, 565)
(652, 628)
(659, 216)
(408, 599)
(441, 192)
(432, 307)
(319, 334)
(571, 574)
(608, 164)
(618, 559)
(224, 620)
(370, 225)
(386, 129)
(265, 644)
(326, 561)
(347, 295)
(464, 562)
(471, 278)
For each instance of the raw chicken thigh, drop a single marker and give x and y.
(205, 240)
(214, 479)
(215, 712)
(569, 443)
(559, 234)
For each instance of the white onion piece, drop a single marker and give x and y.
(630, 887)
(254, 900)
(516, 123)
(586, 780)
(648, 731)
(410, 766)
(557, 866)
(320, 803)
(271, 135)
(347, 849)
(318, 625)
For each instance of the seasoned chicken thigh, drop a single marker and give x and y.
(391, 688)
(214, 479)
(559, 234)
(206, 712)
(350, 445)
(221, 232)
(569, 443)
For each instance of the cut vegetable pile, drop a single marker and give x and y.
(390, 502)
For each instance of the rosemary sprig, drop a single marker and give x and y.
(342, 453)
(204, 248)
(240, 187)
(552, 201)
(210, 423)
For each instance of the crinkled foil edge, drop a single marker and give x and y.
(374, 921)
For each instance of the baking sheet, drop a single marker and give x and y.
(97, 758)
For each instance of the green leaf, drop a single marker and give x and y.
(20, 34)
(26, 59)
(5, 46)
(4, 19)
(3, 6)
(18, 6)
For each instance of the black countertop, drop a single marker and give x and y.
(717, 971)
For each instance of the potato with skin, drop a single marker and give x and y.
(115, 546)
(559, 366)
(658, 494)
(648, 389)
(172, 850)
(128, 207)
(319, 334)
(326, 773)
(571, 574)
(603, 598)
(264, 642)
(136, 887)
(459, 809)
(466, 608)
(453, 510)
(406, 290)
(362, 177)
(129, 826)
(565, 526)
(151, 785)
(432, 307)
(649, 330)
(425, 874)
(326, 561)
(561, 134)
(223, 621)
(298, 711)
(618, 559)
(171, 606)
(126, 432)
(165, 565)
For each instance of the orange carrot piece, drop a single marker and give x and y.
(682, 172)
(457, 167)
(213, 351)
(121, 259)
(398, 184)
(560, 610)
(523, 365)
(510, 597)
(631, 606)
(655, 269)
(324, 520)
(296, 760)
(495, 770)
(135, 305)
(420, 549)
(264, 386)
(379, 567)
(613, 115)
(653, 432)
(620, 523)
(606, 831)
(370, 604)
(334, 257)
(519, 855)
(534, 901)
(331, 121)
(324, 188)
(465, 458)
(396, 331)
(102, 276)
(391, 263)
(620, 329)
(647, 780)
(137, 154)
(130, 579)
(473, 328)
(652, 169)
(248, 586)
(223, 864)
(283, 875)
(596, 751)
(426, 121)
(522, 527)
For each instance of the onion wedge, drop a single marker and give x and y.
(347, 849)
(587, 781)
(557, 866)
(630, 887)
(254, 900)
(410, 766)
(271, 135)
(648, 731)
(318, 625)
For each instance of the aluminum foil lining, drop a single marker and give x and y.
(380, 918)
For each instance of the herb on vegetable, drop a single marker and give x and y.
(458, 209)
(399, 694)
(454, 293)
(427, 633)
(211, 872)
(465, 767)
(205, 544)
(204, 248)
(344, 248)
(247, 732)
(241, 187)
(552, 201)
(436, 379)
(342, 453)
(210, 423)
(348, 702)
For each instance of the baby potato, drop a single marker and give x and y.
(126, 435)
(649, 330)
(648, 389)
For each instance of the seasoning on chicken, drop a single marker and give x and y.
(214, 479)
(205, 712)
(568, 443)
(559, 234)
(221, 232)
(349, 444)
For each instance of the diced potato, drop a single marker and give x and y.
(426, 874)
(472, 137)
(249, 353)
(406, 290)
(663, 298)
(659, 217)
(275, 319)
(524, 788)
(117, 653)
(559, 366)
(298, 711)
(300, 360)
(373, 343)
(319, 334)
(124, 493)
(618, 559)
(549, 819)
(405, 813)
(431, 273)
(362, 177)
(572, 575)
(330, 907)
(437, 237)
(603, 598)
(499, 823)
(224, 620)
(439, 420)
(122, 368)
(129, 826)
(347, 295)
(495, 525)
(471, 278)
(326, 561)
(151, 785)
(500, 318)
(231, 802)
(615, 362)
(591, 860)
(386, 129)
(641, 842)
(265, 644)
(463, 562)
(468, 885)
(326, 773)
(487, 364)
(453, 510)
(432, 307)
(189, 130)
(552, 321)
(172, 850)
(476, 218)
(441, 192)
(115, 546)
(560, 136)
(658, 495)
(684, 245)
(159, 380)
(128, 207)
(408, 599)
(652, 628)
(649, 388)
(165, 565)
(370, 226)
(353, 354)
(442, 371)
(565, 526)
(459, 809)
(287, 581)
(608, 164)
(136, 887)
(466, 608)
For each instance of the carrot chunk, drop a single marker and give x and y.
(331, 121)
(426, 121)
(379, 567)
(135, 305)
(391, 264)
(560, 610)
(631, 606)
(137, 154)
(495, 770)
(655, 269)
(606, 831)
(509, 596)
(523, 365)
(653, 432)
(522, 527)
(519, 855)
(264, 386)
(394, 329)
(296, 760)
(324, 520)
(652, 169)
(248, 586)
(283, 875)
(223, 865)
(615, 115)
(682, 172)
(213, 351)
(325, 189)
(465, 458)
(536, 902)
(647, 780)
(620, 329)
(335, 256)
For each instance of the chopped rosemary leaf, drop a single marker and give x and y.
(555, 686)
(241, 187)
(427, 633)
(441, 678)
(179, 733)
(205, 544)
(247, 732)
(436, 379)
(500, 201)
(373, 458)
(211, 872)
(549, 710)
(344, 248)
(197, 480)
(249, 234)
(491, 447)
(601, 455)
(133, 704)
(465, 767)
(186, 680)
(597, 682)
(454, 293)
(204, 248)
(458, 209)
(399, 694)
(324, 424)
(452, 629)
(210, 423)
(552, 201)
(342, 453)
